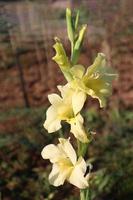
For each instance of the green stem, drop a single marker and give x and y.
(85, 194)
(79, 149)
(82, 149)
(72, 48)
(67, 75)
(89, 194)
(82, 195)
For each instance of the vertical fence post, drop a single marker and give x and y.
(22, 79)
(20, 70)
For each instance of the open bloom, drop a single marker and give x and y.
(66, 166)
(96, 81)
(66, 108)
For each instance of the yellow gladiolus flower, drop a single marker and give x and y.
(66, 166)
(66, 108)
(60, 58)
(96, 81)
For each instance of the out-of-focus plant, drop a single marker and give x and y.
(114, 152)
(96, 82)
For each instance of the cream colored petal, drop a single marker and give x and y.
(78, 129)
(68, 149)
(63, 89)
(98, 62)
(54, 126)
(98, 79)
(52, 123)
(102, 101)
(82, 164)
(66, 93)
(53, 176)
(80, 119)
(57, 177)
(78, 100)
(77, 176)
(101, 98)
(51, 152)
(55, 99)
(77, 71)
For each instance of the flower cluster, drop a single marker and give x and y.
(66, 166)
(94, 82)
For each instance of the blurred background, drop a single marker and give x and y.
(28, 75)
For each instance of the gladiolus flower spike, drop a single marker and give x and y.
(66, 165)
(96, 82)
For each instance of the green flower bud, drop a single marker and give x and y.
(60, 58)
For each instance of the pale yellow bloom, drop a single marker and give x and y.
(66, 166)
(78, 129)
(61, 58)
(96, 81)
(67, 108)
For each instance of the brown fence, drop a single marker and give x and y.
(27, 73)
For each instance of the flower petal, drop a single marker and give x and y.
(99, 93)
(78, 130)
(55, 99)
(78, 100)
(52, 123)
(98, 62)
(98, 79)
(77, 71)
(52, 153)
(62, 89)
(61, 58)
(68, 149)
(77, 177)
(57, 177)
(66, 91)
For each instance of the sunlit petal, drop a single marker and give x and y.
(78, 129)
(60, 58)
(78, 100)
(52, 123)
(77, 177)
(78, 71)
(51, 152)
(55, 99)
(63, 89)
(97, 81)
(57, 178)
(69, 150)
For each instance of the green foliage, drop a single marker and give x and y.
(113, 155)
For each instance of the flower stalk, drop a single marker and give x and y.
(68, 164)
